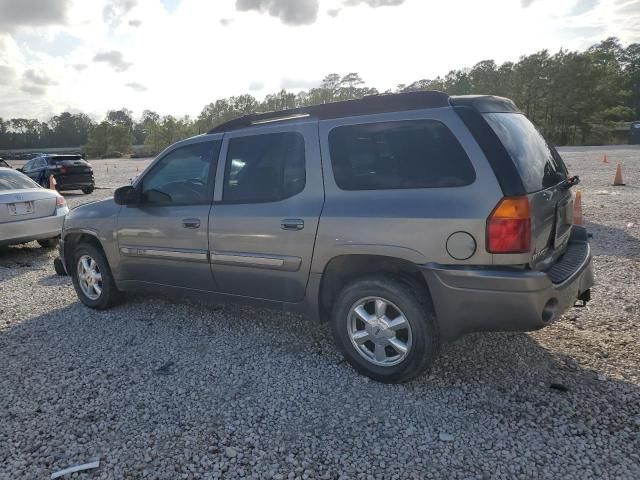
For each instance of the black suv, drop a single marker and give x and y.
(71, 172)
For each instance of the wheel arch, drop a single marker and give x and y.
(75, 238)
(343, 269)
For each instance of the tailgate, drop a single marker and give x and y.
(551, 220)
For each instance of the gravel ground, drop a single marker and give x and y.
(164, 389)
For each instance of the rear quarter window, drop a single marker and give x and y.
(398, 155)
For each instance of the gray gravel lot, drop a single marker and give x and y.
(159, 388)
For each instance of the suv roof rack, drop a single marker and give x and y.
(364, 106)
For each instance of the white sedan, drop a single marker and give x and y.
(28, 211)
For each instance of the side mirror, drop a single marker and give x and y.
(127, 195)
(20, 170)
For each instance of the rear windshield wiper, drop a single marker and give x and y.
(569, 182)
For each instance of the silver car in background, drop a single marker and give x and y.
(29, 212)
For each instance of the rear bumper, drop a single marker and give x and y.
(471, 299)
(13, 233)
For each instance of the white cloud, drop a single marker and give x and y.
(38, 78)
(7, 74)
(115, 10)
(114, 59)
(31, 13)
(33, 89)
(137, 87)
(375, 3)
(290, 12)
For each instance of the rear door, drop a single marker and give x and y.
(264, 220)
(542, 172)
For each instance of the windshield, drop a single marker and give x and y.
(538, 163)
(11, 180)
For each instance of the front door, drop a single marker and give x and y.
(164, 239)
(269, 194)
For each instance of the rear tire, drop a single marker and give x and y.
(92, 278)
(49, 242)
(385, 328)
(87, 190)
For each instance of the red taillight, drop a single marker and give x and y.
(62, 170)
(509, 226)
(60, 202)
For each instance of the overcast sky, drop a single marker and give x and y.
(174, 56)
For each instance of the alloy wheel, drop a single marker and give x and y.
(89, 277)
(379, 331)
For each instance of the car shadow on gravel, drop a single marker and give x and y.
(612, 241)
(153, 375)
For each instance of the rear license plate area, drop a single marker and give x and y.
(20, 208)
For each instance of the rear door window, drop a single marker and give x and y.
(398, 155)
(264, 168)
(537, 161)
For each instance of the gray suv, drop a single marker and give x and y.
(403, 220)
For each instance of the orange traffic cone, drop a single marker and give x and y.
(605, 159)
(52, 182)
(617, 180)
(577, 208)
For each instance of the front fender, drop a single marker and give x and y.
(97, 220)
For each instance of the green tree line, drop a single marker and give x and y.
(574, 97)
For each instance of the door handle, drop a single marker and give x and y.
(292, 224)
(191, 223)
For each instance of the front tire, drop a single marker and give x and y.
(87, 190)
(385, 328)
(92, 278)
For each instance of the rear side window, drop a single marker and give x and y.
(264, 168)
(538, 163)
(398, 155)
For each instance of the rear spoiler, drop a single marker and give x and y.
(485, 103)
